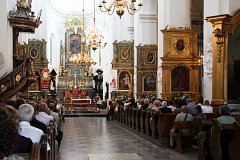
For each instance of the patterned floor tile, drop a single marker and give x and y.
(93, 137)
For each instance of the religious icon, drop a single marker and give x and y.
(75, 43)
(150, 58)
(180, 79)
(34, 53)
(149, 83)
(180, 45)
(124, 80)
(124, 54)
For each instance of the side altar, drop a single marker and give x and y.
(75, 79)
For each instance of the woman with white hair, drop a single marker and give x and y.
(156, 105)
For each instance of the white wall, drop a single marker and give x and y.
(6, 41)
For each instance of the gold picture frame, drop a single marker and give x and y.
(125, 81)
(149, 83)
(124, 54)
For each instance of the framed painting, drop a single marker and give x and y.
(180, 79)
(150, 58)
(124, 81)
(75, 43)
(149, 83)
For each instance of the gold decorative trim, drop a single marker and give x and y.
(124, 54)
(3, 88)
(18, 78)
(180, 45)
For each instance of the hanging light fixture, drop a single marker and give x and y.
(120, 7)
(96, 37)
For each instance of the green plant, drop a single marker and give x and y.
(201, 136)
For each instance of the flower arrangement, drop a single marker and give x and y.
(150, 95)
(121, 96)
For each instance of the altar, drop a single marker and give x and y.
(75, 80)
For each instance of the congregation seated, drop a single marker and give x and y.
(34, 122)
(56, 118)
(206, 108)
(165, 108)
(23, 144)
(171, 105)
(156, 105)
(25, 112)
(132, 104)
(140, 104)
(44, 114)
(198, 115)
(225, 117)
(191, 106)
(146, 104)
(8, 135)
(181, 117)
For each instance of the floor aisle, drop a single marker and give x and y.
(94, 138)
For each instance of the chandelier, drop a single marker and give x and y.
(96, 37)
(120, 7)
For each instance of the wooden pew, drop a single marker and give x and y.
(129, 117)
(220, 138)
(133, 116)
(237, 117)
(181, 138)
(51, 132)
(147, 122)
(137, 120)
(38, 150)
(142, 121)
(154, 124)
(210, 116)
(164, 125)
(234, 146)
(43, 149)
(126, 116)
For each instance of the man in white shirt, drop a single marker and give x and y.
(25, 112)
(206, 108)
(44, 114)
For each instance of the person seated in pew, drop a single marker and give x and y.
(146, 104)
(34, 122)
(140, 104)
(198, 115)
(25, 112)
(156, 105)
(206, 108)
(225, 117)
(181, 117)
(44, 114)
(164, 108)
(191, 106)
(8, 135)
(23, 144)
(56, 117)
(171, 105)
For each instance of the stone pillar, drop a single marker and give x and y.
(171, 13)
(145, 30)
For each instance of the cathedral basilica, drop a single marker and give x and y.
(88, 54)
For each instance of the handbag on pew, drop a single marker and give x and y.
(176, 130)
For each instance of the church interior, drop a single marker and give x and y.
(121, 79)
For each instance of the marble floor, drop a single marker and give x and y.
(94, 138)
